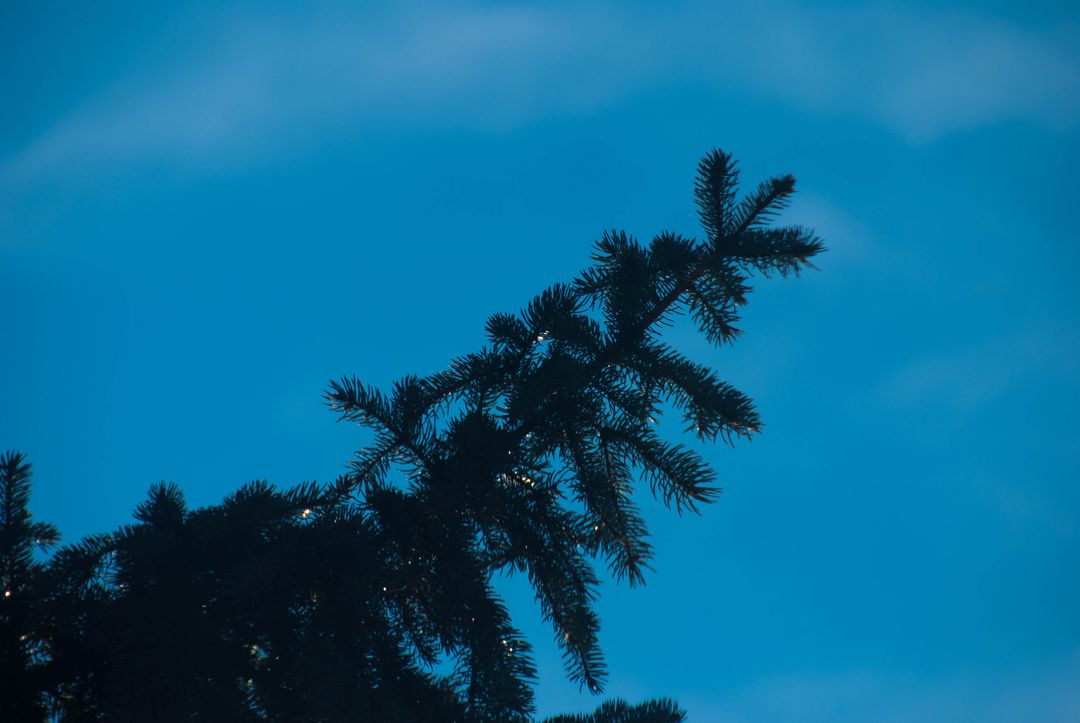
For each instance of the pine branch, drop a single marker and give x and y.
(679, 475)
(761, 206)
(710, 311)
(714, 191)
(361, 403)
(661, 710)
(558, 385)
(784, 250)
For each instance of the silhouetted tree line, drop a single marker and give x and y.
(371, 598)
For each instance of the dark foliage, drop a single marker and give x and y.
(371, 598)
(23, 656)
(619, 711)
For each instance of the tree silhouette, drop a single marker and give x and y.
(22, 658)
(340, 602)
(619, 711)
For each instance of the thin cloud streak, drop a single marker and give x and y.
(262, 80)
(963, 381)
(1048, 696)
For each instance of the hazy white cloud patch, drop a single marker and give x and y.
(969, 70)
(852, 243)
(956, 387)
(963, 380)
(1047, 696)
(261, 80)
(925, 73)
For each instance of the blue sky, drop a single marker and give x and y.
(207, 211)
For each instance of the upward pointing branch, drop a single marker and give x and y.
(725, 225)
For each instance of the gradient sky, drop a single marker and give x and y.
(208, 211)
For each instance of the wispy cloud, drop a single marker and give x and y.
(957, 71)
(1048, 696)
(264, 79)
(964, 380)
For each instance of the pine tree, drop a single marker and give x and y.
(21, 656)
(619, 711)
(523, 456)
(339, 602)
